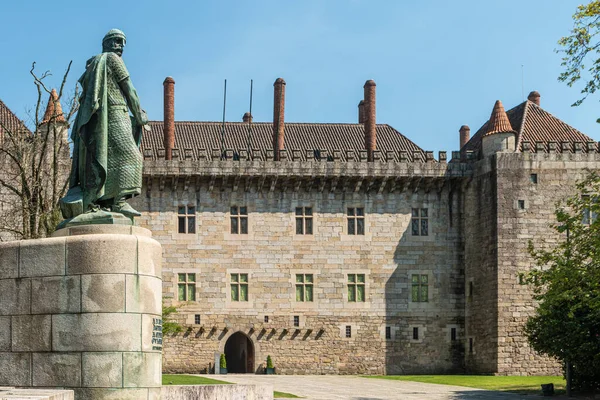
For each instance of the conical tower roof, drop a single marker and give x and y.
(498, 122)
(54, 110)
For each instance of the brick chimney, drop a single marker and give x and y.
(361, 112)
(370, 121)
(169, 117)
(465, 135)
(278, 116)
(247, 118)
(534, 97)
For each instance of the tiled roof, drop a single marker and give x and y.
(498, 122)
(298, 136)
(534, 124)
(51, 112)
(8, 120)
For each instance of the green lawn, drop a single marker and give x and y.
(283, 395)
(200, 380)
(516, 384)
(190, 380)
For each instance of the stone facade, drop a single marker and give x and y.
(481, 208)
(463, 313)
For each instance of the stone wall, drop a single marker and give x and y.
(271, 253)
(7, 393)
(81, 310)
(526, 211)
(481, 269)
(218, 392)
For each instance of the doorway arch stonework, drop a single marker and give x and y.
(251, 353)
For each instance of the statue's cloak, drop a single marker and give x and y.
(89, 136)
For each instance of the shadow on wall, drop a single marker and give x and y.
(419, 335)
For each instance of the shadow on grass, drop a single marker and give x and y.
(471, 395)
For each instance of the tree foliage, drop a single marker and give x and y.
(566, 283)
(582, 47)
(170, 325)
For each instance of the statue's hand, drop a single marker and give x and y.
(143, 120)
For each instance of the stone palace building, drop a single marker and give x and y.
(345, 248)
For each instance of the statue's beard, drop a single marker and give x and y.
(113, 49)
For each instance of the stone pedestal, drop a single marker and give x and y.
(82, 310)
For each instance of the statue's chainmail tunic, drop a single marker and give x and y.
(124, 174)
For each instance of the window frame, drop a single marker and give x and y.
(237, 216)
(188, 218)
(189, 286)
(304, 284)
(348, 331)
(354, 285)
(305, 220)
(239, 284)
(422, 221)
(419, 285)
(588, 216)
(354, 215)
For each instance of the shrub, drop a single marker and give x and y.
(269, 362)
(223, 361)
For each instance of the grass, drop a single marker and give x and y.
(190, 380)
(200, 380)
(515, 384)
(283, 395)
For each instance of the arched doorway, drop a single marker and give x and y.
(239, 352)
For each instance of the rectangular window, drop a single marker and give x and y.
(533, 178)
(470, 345)
(588, 216)
(197, 319)
(453, 334)
(356, 221)
(356, 287)
(415, 333)
(266, 318)
(388, 332)
(186, 287)
(348, 331)
(239, 220)
(304, 287)
(186, 219)
(521, 204)
(420, 222)
(239, 287)
(304, 221)
(296, 320)
(420, 288)
(470, 295)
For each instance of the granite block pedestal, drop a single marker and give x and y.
(82, 310)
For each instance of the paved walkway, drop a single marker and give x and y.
(340, 387)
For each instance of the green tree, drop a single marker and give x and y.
(169, 326)
(566, 283)
(582, 47)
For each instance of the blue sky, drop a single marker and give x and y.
(437, 64)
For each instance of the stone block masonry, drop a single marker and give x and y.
(82, 310)
(8, 393)
(272, 255)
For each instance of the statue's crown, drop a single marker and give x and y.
(113, 33)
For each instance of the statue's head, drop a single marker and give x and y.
(114, 42)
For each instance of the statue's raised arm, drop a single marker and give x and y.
(107, 163)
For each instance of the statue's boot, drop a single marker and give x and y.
(124, 208)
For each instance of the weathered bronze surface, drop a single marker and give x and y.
(107, 163)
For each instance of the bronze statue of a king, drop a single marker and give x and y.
(107, 163)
